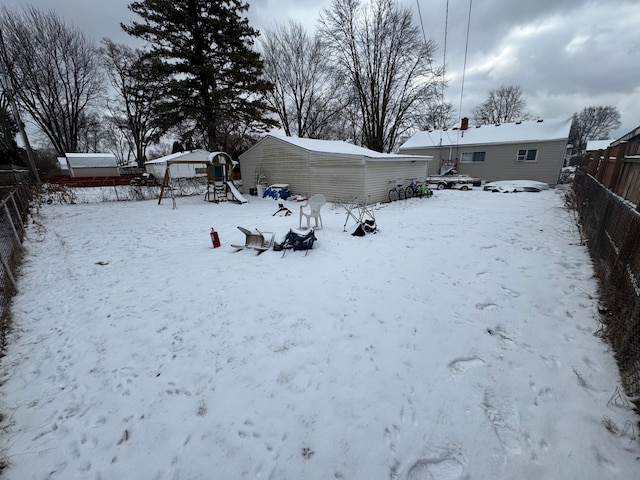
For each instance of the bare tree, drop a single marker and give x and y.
(117, 142)
(592, 123)
(136, 80)
(503, 105)
(437, 115)
(376, 48)
(54, 69)
(303, 95)
(92, 134)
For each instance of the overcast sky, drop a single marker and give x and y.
(565, 55)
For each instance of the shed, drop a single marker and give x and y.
(339, 170)
(92, 164)
(532, 150)
(64, 166)
(183, 164)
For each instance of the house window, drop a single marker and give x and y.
(468, 157)
(527, 155)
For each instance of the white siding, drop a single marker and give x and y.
(500, 161)
(340, 177)
(94, 172)
(339, 183)
(278, 162)
(382, 176)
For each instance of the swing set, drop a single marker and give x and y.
(219, 170)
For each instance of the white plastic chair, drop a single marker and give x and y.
(257, 240)
(311, 209)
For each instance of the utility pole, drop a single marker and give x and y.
(7, 87)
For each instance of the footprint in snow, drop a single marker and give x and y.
(486, 306)
(502, 412)
(441, 469)
(460, 365)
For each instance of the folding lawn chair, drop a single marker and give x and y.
(298, 240)
(363, 214)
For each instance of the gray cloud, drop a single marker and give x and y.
(565, 55)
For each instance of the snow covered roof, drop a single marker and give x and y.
(338, 147)
(531, 131)
(196, 155)
(91, 160)
(595, 145)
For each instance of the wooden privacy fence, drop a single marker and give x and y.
(618, 167)
(611, 227)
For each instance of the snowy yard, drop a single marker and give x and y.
(459, 342)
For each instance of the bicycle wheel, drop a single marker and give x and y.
(393, 195)
(400, 192)
(408, 192)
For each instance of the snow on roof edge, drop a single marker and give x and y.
(514, 132)
(340, 147)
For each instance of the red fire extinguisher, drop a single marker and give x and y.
(214, 238)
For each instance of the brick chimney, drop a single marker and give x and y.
(465, 123)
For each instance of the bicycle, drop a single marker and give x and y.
(397, 192)
(417, 189)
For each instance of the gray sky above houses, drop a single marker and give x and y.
(564, 55)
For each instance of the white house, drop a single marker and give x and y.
(532, 150)
(339, 170)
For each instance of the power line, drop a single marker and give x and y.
(464, 66)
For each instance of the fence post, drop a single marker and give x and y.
(9, 273)
(621, 151)
(18, 213)
(13, 227)
(591, 162)
(603, 165)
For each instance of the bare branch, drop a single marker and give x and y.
(54, 69)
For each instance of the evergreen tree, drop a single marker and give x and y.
(214, 77)
(9, 150)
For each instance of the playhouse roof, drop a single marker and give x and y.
(196, 155)
(531, 131)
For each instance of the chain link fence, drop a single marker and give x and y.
(15, 203)
(611, 227)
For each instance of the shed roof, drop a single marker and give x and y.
(339, 147)
(531, 131)
(91, 160)
(595, 145)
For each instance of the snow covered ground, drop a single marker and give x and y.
(459, 342)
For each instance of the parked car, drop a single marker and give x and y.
(451, 179)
